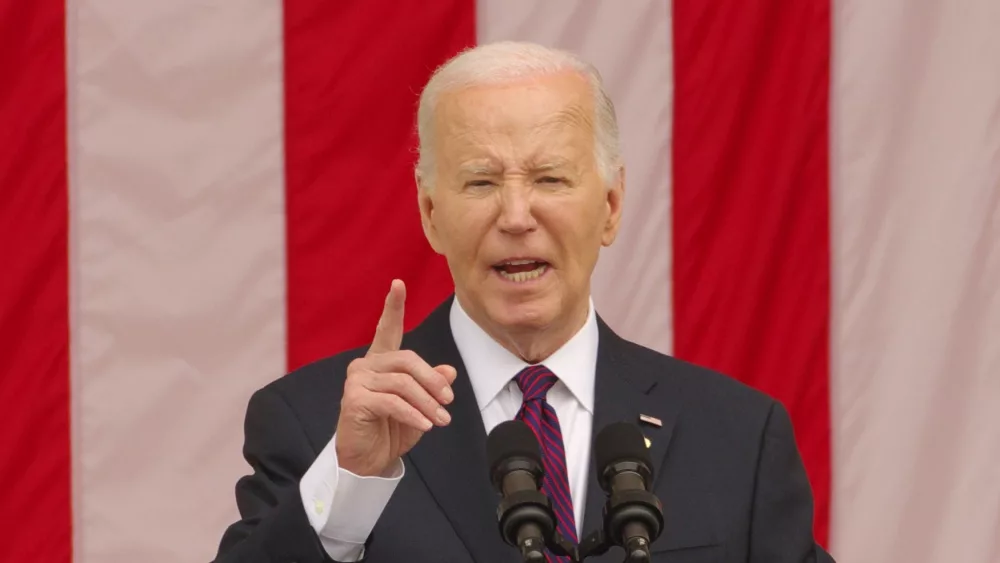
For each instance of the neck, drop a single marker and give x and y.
(534, 344)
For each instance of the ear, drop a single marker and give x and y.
(616, 204)
(425, 201)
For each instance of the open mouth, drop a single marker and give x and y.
(520, 271)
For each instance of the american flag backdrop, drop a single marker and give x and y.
(199, 195)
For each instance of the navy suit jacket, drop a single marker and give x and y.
(727, 468)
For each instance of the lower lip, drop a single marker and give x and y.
(524, 281)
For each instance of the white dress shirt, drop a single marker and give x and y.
(343, 507)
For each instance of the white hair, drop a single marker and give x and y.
(495, 63)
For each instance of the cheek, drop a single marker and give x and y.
(597, 223)
(579, 224)
(463, 228)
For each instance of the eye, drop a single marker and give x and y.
(478, 184)
(550, 180)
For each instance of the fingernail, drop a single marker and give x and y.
(448, 395)
(443, 416)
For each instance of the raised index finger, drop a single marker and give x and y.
(389, 332)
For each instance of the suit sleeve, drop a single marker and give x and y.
(273, 525)
(782, 518)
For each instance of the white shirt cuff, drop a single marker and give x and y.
(342, 507)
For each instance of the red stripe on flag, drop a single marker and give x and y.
(751, 212)
(34, 305)
(353, 72)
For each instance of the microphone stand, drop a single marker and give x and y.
(533, 507)
(596, 544)
(620, 513)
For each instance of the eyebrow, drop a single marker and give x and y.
(536, 165)
(478, 168)
(550, 164)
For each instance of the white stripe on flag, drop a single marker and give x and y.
(916, 237)
(631, 49)
(178, 264)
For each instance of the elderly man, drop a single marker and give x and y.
(378, 454)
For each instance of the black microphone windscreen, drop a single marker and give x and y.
(620, 441)
(511, 439)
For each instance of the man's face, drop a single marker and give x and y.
(517, 206)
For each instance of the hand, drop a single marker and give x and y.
(391, 397)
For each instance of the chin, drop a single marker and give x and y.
(520, 313)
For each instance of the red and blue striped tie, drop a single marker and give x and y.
(538, 414)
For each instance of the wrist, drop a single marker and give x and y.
(364, 468)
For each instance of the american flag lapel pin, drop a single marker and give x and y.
(651, 420)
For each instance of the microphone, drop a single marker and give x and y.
(633, 516)
(525, 514)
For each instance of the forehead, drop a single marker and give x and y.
(551, 112)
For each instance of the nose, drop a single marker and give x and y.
(516, 215)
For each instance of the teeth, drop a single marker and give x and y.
(518, 262)
(524, 276)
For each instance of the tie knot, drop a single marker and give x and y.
(535, 381)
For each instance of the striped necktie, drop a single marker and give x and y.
(535, 382)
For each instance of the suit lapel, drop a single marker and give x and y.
(451, 460)
(623, 391)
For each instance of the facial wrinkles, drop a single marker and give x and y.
(488, 140)
(484, 127)
(548, 152)
(570, 132)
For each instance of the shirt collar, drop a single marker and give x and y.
(491, 366)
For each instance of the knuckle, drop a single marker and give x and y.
(397, 361)
(359, 375)
(395, 382)
(357, 365)
(354, 381)
(410, 357)
(408, 386)
(353, 397)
